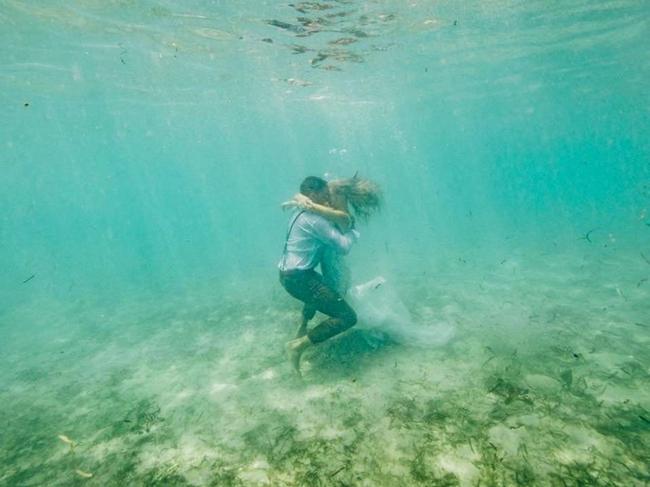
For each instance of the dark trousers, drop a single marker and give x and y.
(308, 287)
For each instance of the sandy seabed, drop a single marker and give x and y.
(540, 376)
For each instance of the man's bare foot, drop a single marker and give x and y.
(295, 348)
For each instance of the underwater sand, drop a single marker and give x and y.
(544, 381)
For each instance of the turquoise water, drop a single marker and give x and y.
(146, 148)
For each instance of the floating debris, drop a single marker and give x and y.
(343, 41)
(304, 7)
(586, 235)
(215, 34)
(293, 82)
(83, 474)
(337, 14)
(298, 49)
(65, 439)
(297, 82)
(191, 16)
(296, 29)
(318, 59)
(356, 32)
(29, 278)
(123, 52)
(386, 17)
(337, 54)
(313, 23)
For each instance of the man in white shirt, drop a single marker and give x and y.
(307, 236)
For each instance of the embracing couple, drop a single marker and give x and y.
(321, 230)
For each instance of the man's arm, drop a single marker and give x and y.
(338, 217)
(330, 235)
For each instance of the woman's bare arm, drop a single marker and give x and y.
(338, 217)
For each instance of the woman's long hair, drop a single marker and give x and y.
(363, 195)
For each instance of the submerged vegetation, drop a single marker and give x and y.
(522, 395)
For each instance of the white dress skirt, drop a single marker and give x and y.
(336, 272)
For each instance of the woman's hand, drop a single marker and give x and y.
(303, 201)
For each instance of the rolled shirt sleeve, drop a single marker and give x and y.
(327, 233)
